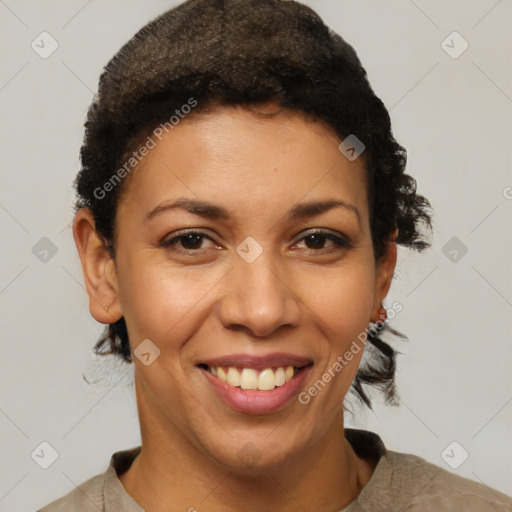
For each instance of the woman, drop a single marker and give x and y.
(239, 207)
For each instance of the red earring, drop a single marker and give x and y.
(383, 315)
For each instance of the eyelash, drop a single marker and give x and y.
(339, 242)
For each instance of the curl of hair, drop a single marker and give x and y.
(247, 52)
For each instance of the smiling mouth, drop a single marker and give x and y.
(251, 379)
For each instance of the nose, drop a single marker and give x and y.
(256, 298)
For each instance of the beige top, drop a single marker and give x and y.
(400, 482)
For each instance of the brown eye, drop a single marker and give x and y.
(316, 241)
(189, 242)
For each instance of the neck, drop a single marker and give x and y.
(171, 474)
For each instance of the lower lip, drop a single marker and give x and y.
(254, 401)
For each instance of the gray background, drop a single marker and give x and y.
(452, 114)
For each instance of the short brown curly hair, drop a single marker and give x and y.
(247, 52)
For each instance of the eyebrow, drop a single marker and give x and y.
(213, 211)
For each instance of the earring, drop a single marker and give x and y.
(383, 315)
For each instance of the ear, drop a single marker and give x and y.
(384, 271)
(98, 269)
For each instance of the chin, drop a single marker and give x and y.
(253, 455)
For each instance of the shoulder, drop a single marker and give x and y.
(425, 486)
(101, 492)
(87, 497)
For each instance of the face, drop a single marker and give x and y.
(243, 248)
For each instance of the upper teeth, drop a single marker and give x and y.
(248, 378)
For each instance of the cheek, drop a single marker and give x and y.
(345, 303)
(163, 304)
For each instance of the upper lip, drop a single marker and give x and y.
(257, 362)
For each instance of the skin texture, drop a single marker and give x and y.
(299, 296)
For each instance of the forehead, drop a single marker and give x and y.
(245, 158)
